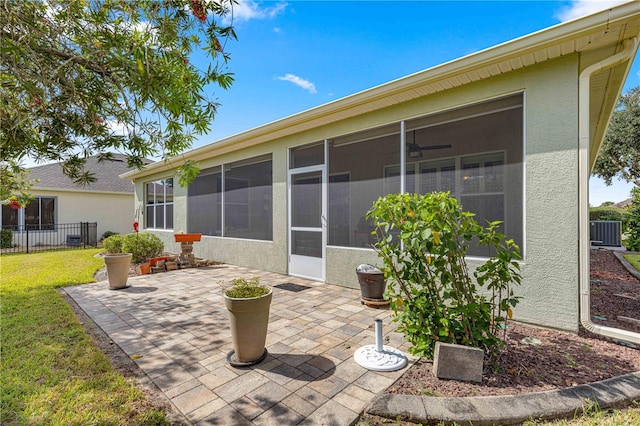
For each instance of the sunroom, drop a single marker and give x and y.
(511, 132)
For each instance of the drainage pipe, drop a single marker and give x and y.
(584, 171)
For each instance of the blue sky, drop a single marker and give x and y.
(292, 56)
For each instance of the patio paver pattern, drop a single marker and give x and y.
(175, 326)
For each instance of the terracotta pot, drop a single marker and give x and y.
(155, 260)
(145, 268)
(249, 319)
(187, 238)
(118, 269)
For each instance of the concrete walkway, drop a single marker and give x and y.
(174, 325)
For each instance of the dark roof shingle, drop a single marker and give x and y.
(106, 173)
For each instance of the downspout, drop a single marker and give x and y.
(583, 196)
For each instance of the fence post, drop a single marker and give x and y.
(26, 228)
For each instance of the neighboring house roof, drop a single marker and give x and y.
(106, 173)
(623, 204)
(596, 37)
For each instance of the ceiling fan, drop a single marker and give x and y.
(415, 151)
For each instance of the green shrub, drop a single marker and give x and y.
(422, 242)
(6, 238)
(107, 234)
(608, 213)
(142, 246)
(241, 288)
(633, 222)
(113, 244)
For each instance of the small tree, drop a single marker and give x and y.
(619, 155)
(423, 240)
(633, 221)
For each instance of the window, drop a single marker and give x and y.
(476, 153)
(360, 171)
(159, 204)
(38, 215)
(248, 199)
(243, 191)
(9, 218)
(204, 203)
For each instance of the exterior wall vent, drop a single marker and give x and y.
(606, 233)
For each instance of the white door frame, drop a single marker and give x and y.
(305, 266)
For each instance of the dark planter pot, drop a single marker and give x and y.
(372, 282)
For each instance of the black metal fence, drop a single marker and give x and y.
(63, 236)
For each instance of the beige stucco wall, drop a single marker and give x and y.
(550, 268)
(112, 212)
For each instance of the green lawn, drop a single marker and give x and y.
(633, 259)
(51, 372)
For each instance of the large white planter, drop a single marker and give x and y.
(248, 319)
(118, 269)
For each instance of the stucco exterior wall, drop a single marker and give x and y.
(549, 202)
(112, 212)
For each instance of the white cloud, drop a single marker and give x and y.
(300, 82)
(117, 128)
(247, 10)
(579, 8)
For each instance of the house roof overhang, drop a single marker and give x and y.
(594, 37)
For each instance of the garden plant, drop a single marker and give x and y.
(142, 246)
(422, 242)
(633, 222)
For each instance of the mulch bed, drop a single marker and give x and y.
(563, 359)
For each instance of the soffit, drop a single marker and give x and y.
(603, 32)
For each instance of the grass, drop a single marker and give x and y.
(633, 259)
(592, 416)
(52, 373)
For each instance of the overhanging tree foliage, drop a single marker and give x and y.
(88, 77)
(620, 152)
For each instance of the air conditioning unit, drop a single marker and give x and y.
(606, 233)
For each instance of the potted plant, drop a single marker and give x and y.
(116, 261)
(248, 303)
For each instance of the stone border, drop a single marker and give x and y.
(508, 410)
(620, 256)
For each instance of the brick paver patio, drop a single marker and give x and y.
(175, 326)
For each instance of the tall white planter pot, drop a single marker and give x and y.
(118, 269)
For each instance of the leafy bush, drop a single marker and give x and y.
(633, 221)
(608, 213)
(6, 238)
(107, 234)
(142, 246)
(422, 241)
(241, 288)
(113, 244)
